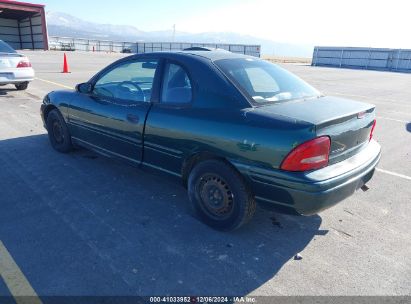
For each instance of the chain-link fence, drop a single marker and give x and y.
(90, 45)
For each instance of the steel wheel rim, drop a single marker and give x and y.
(215, 195)
(58, 132)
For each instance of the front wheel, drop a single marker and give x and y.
(220, 195)
(59, 135)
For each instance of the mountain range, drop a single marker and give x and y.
(65, 25)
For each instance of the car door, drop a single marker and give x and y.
(166, 137)
(111, 117)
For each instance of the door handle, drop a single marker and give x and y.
(133, 118)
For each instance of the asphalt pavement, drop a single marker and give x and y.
(81, 224)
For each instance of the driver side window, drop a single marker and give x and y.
(130, 81)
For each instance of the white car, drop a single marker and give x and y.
(15, 68)
(54, 46)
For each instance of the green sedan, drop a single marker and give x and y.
(235, 130)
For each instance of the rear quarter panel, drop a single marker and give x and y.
(172, 137)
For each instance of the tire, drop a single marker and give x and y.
(59, 134)
(220, 196)
(22, 86)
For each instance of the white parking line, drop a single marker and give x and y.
(393, 119)
(394, 174)
(379, 99)
(15, 280)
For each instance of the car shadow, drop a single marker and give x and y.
(83, 224)
(4, 91)
(408, 127)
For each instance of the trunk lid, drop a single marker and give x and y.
(348, 123)
(10, 60)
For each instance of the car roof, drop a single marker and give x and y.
(214, 55)
(211, 55)
(5, 48)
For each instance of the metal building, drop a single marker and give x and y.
(23, 25)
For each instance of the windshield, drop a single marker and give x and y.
(265, 82)
(5, 48)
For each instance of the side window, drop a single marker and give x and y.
(131, 81)
(176, 87)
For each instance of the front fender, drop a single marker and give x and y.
(59, 100)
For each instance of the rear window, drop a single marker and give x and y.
(5, 48)
(265, 82)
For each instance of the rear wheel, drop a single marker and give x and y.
(22, 86)
(220, 196)
(59, 135)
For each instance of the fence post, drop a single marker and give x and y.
(398, 59)
(341, 58)
(315, 56)
(368, 59)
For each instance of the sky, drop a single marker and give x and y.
(368, 23)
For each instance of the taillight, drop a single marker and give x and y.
(310, 155)
(372, 129)
(24, 64)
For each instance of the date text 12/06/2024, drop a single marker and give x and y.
(202, 299)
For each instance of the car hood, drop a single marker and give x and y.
(11, 54)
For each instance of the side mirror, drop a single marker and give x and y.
(84, 88)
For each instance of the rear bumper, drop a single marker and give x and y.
(311, 192)
(13, 76)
